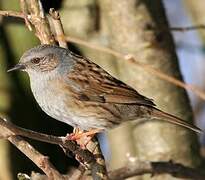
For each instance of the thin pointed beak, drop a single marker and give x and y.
(17, 67)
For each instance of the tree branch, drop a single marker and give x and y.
(134, 168)
(7, 131)
(179, 29)
(83, 155)
(25, 12)
(137, 168)
(58, 28)
(40, 22)
(12, 14)
(40, 160)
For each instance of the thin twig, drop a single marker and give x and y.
(58, 28)
(40, 22)
(40, 160)
(25, 12)
(180, 29)
(12, 14)
(200, 93)
(188, 28)
(84, 155)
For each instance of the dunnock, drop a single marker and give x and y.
(74, 90)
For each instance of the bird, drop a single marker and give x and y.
(74, 90)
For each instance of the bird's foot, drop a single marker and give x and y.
(92, 132)
(87, 137)
(81, 137)
(78, 134)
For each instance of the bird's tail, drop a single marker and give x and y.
(174, 120)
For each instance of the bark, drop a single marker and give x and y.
(128, 22)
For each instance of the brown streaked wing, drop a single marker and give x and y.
(95, 84)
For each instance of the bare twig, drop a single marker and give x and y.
(137, 168)
(40, 22)
(25, 12)
(12, 13)
(188, 28)
(180, 29)
(140, 168)
(58, 28)
(84, 155)
(73, 174)
(200, 93)
(134, 168)
(40, 160)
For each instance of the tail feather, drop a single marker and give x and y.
(173, 119)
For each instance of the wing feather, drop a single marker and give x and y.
(95, 84)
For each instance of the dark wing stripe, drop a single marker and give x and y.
(100, 86)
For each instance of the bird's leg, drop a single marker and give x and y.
(78, 134)
(88, 136)
(92, 132)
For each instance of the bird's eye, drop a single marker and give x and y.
(36, 60)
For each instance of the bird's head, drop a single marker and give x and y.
(42, 59)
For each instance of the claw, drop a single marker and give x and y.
(79, 134)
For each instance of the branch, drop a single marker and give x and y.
(25, 12)
(188, 28)
(40, 160)
(137, 168)
(40, 22)
(134, 168)
(83, 155)
(58, 28)
(180, 29)
(12, 14)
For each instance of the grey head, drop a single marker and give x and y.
(44, 60)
